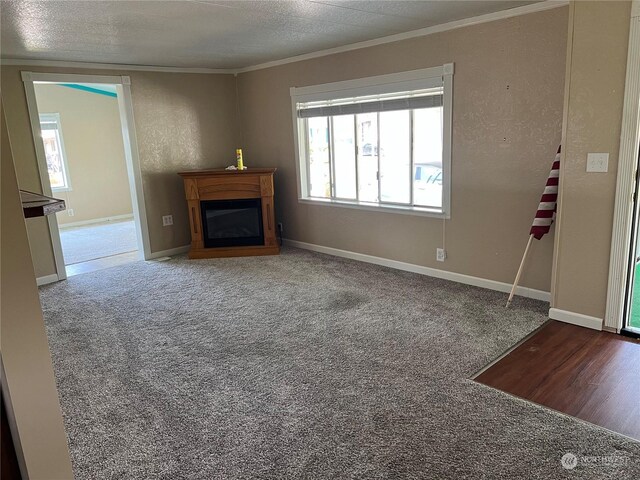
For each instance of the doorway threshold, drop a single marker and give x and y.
(102, 263)
(631, 332)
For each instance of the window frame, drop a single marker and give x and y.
(395, 82)
(55, 118)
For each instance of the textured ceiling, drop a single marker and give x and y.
(212, 34)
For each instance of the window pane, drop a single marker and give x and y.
(427, 157)
(319, 167)
(53, 153)
(344, 156)
(367, 138)
(395, 158)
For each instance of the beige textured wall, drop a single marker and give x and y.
(595, 93)
(17, 117)
(183, 121)
(92, 137)
(28, 377)
(507, 115)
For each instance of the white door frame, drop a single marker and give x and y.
(125, 106)
(619, 262)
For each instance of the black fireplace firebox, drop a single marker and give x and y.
(232, 223)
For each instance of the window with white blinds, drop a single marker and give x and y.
(377, 143)
(57, 167)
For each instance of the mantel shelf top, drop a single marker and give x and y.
(222, 171)
(37, 205)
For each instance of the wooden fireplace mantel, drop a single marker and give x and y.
(220, 184)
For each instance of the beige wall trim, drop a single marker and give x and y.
(575, 318)
(169, 253)
(428, 271)
(489, 17)
(113, 66)
(68, 77)
(563, 155)
(115, 218)
(47, 279)
(52, 221)
(622, 235)
(131, 154)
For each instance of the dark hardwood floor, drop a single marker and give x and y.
(588, 374)
(9, 469)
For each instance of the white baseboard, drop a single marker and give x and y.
(169, 253)
(115, 218)
(575, 318)
(47, 279)
(431, 272)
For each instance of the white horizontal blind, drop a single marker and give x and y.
(427, 98)
(49, 121)
(49, 125)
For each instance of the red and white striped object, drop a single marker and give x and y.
(548, 203)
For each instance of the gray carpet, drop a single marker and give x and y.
(88, 242)
(300, 366)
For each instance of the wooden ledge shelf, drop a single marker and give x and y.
(36, 205)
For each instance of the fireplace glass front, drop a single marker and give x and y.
(232, 223)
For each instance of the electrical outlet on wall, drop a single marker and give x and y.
(70, 212)
(167, 220)
(441, 254)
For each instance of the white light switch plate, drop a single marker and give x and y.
(597, 162)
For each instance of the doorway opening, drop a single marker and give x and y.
(85, 143)
(623, 290)
(631, 319)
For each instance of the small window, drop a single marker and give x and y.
(380, 142)
(54, 151)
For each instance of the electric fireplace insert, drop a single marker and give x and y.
(232, 223)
